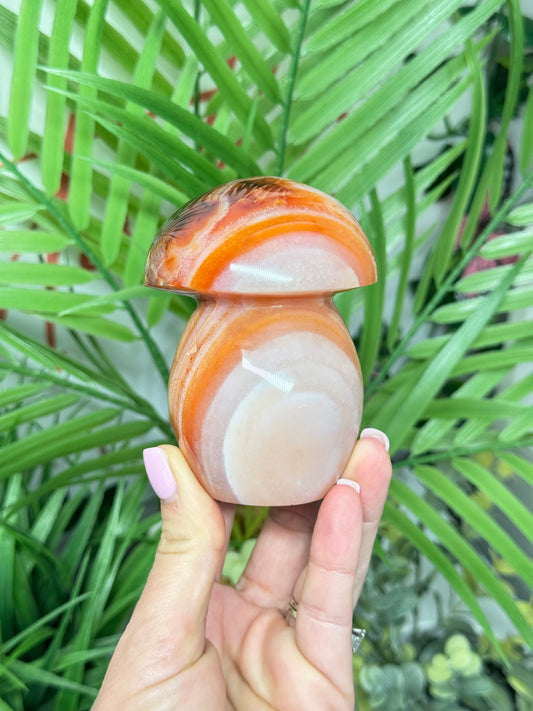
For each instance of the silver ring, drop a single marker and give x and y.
(358, 634)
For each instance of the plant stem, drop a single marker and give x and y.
(140, 405)
(157, 357)
(292, 80)
(448, 283)
(196, 97)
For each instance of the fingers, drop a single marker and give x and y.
(323, 620)
(274, 570)
(279, 555)
(172, 609)
(339, 556)
(371, 467)
(228, 514)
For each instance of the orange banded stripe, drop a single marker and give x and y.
(248, 331)
(199, 335)
(357, 253)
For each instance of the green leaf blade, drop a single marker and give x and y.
(508, 245)
(252, 60)
(497, 492)
(118, 195)
(25, 61)
(81, 179)
(469, 170)
(33, 411)
(442, 563)
(342, 25)
(216, 66)
(482, 522)
(465, 554)
(32, 241)
(43, 274)
(53, 135)
(438, 370)
(526, 144)
(175, 115)
(267, 17)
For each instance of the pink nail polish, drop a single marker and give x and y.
(159, 474)
(350, 482)
(376, 434)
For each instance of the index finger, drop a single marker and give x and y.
(324, 618)
(371, 467)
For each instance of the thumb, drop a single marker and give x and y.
(167, 628)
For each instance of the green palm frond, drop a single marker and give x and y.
(102, 141)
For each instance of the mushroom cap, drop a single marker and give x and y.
(261, 236)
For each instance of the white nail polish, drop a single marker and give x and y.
(376, 434)
(349, 482)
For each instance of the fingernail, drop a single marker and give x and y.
(349, 482)
(159, 473)
(376, 434)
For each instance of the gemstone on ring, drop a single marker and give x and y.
(358, 636)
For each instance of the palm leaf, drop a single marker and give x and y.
(123, 110)
(268, 19)
(24, 65)
(181, 119)
(53, 137)
(252, 60)
(32, 241)
(390, 93)
(217, 68)
(466, 555)
(81, 186)
(397, 420)
(118, 197)
(441, 562)
(469, 172)
(516, 29)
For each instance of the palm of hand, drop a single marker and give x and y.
(267, 661)
(262, 666)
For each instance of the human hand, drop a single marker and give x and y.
(195, 644)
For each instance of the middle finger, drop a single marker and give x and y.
(279, 555)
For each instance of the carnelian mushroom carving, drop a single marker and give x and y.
(265, 392)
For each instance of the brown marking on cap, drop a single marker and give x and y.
(214, 227)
